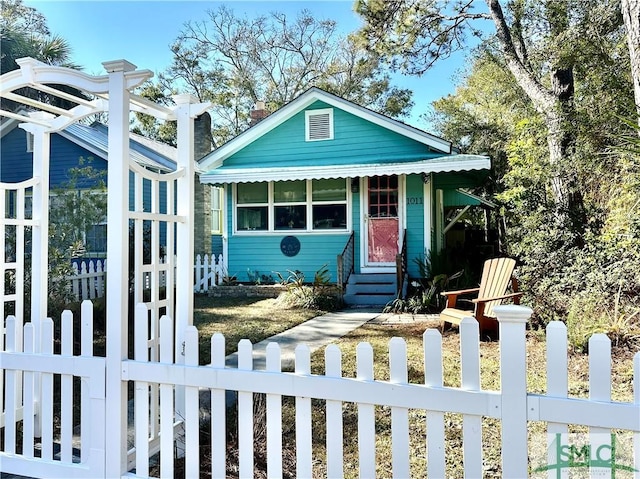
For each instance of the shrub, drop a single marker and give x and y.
(618, 317)
(424, 293)
(319, 295)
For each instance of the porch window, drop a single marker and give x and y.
(290, 204)
(302, 205)
(329, 204)
(253, 206)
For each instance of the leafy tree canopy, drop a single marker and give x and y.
(24, 33)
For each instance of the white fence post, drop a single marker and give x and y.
(303, 416)
(557, 385)
(599, 384)
(118, 254)
(245, 413)
(366, 415)
(335, 453)
(192, 408)
(274, 416)
(513, 383)
(218, 412)
(141, 400)
(433, 376)
(470, 380)
(399, 416)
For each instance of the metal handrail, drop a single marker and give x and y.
(401, 265)
(345, 262)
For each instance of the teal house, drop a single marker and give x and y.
(323, 181)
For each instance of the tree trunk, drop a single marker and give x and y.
(558, 110)
(631, 15)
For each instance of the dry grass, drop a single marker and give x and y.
(254, 319)
(379, 335)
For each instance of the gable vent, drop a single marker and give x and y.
(319, 124)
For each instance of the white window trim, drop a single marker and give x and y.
(309, 204)
(220, 209)
(310, 113)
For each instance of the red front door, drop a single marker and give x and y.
(382, 219)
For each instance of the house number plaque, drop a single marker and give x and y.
(290, 246)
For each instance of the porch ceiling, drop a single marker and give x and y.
(224, 174)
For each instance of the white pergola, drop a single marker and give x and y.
(112, 94)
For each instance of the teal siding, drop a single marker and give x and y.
(415, 222)
(261, 254)
(355, 141)
(216, 245)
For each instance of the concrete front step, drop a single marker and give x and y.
(372, 278)
(368, 299)
(370, 289)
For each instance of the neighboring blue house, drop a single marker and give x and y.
(90, 142)
(321, 171)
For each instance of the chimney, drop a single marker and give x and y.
(202, 141)
(258, 114)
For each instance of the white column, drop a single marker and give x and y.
(513, 384)
(40, 213)
(185, 112)
(39, 241)
(118, 255)
(185, 232)
(428, 215)
(439, 221)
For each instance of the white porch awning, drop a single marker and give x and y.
(447, 163)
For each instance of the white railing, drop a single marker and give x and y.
(89, 276)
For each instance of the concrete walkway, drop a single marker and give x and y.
(315, 333)
(322, 330)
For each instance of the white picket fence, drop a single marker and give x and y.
(89, 277)
(209, 272)
(54, 404)
(168, 397)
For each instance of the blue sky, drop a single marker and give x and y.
(141, 32)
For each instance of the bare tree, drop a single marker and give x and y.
(236, 61)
